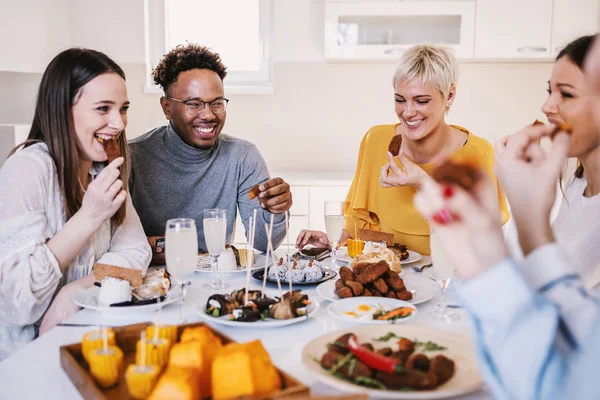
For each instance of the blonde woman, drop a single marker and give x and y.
(381, 195)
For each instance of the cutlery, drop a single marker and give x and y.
(422, 267)
(66, 324)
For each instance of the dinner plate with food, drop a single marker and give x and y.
(301, 272)
(378, 280)
(395, 362)
(268, 311)
(370, 245)
(372, 310)
(233, 259)
(125, 290)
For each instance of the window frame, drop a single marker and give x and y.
(236, 82)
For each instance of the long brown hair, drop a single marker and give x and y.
(53, 124)
(576, 51)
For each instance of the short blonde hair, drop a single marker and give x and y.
(431, 64)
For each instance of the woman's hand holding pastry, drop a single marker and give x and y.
(528, 175)
(105, 194)
(467, 224)
(392, 175)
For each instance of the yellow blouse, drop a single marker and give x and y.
(370, 206)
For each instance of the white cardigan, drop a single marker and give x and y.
(31, 212)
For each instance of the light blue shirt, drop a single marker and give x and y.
(538, 333)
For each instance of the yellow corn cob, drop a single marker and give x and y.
(355, 247)
(105, 365)
(141, 380)
(92, 340)
(168, 332)
(157, 352)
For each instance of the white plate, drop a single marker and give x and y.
(424, 289)
(338, 308)
(459, 348)
(413, 256)
(312, 308)
(259, 263)
(88, 298)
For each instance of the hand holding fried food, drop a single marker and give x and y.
(463, 174)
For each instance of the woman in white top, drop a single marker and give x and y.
(577, 225)
(61, 207)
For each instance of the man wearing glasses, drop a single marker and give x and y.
(180, 169)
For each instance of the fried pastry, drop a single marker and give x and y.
(254, 192)
(394, 146)
(111, 148)
(462, 174)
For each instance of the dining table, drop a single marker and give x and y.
(34, 371)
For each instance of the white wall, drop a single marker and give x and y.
(31, 33)
(315, 119)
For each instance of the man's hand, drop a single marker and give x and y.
(275, 196)
(158, 252)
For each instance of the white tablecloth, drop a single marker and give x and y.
(34, 372)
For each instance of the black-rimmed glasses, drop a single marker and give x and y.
(195, 106)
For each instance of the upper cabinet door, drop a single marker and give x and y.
(573, 19)
(514, 29)
(382, 30)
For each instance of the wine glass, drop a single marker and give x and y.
(215, 231)
(181, 251)
(443, 272)
(334, 225)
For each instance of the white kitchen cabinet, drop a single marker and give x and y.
(513, 29)
(572, 19)
(382, 30)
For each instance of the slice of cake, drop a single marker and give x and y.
(369, 235)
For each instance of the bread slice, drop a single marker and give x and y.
(134, 276)
(374, 236)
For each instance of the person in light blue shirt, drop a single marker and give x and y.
(538, 330)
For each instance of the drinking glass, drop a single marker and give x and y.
(181, 251)
(334, 225)
(443, 272)
(215, 232)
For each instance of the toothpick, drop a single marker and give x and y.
(143, 349)
(250, 251)
(287, 237)
(266, 264)
(159, 321)
(269, 231)
(105, 338)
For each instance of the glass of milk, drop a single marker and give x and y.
(334, 225)
(215, 232)
(181, 251)
(443, 272)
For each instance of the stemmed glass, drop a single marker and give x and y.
(443, 272)
(334, 225)
(215, 232)
(181, 250)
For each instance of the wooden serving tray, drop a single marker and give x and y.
(77, 369)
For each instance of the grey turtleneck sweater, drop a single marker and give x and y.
(170, 179)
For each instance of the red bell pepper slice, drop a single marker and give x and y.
(374, 360)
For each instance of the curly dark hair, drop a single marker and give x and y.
(184, 58)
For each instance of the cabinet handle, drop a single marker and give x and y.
(532, 49)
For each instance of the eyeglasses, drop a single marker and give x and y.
(195, 106)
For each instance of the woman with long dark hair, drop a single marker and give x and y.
(570, 99)
(62, 206)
